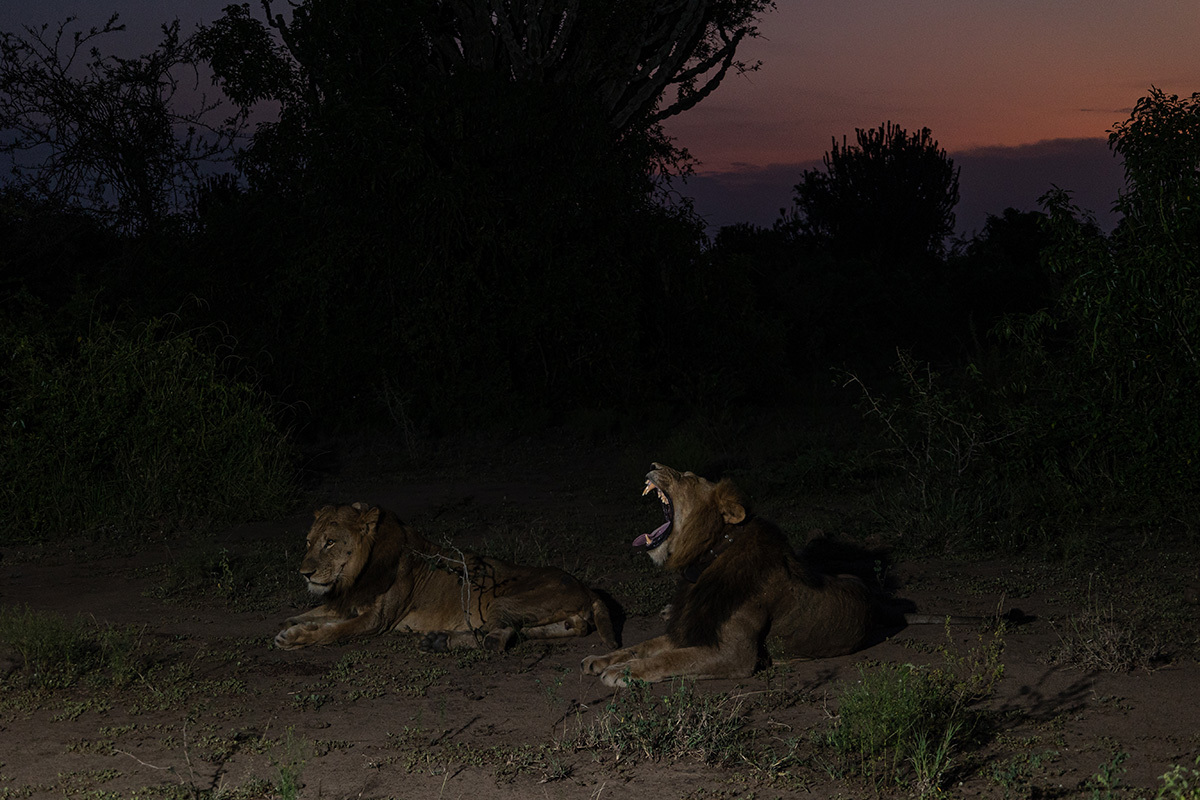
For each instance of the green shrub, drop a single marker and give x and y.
(131, 431)
(905, 724)
(1105, 376)
(1180, 783)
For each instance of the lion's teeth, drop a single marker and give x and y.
(662, 498)
(649, 486)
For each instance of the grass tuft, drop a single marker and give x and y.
(57, 653)
(710, 728)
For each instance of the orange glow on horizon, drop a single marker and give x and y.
(977, 73)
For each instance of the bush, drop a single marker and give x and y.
(131, 431)
(945, 444)
(901, 723)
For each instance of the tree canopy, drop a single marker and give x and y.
(891, 195)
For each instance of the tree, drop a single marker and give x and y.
(1111, 365)
(641, 60)
(104, 135)
(483, 170)
(1160, 144)
(890, 196)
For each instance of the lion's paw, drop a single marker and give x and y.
(617, 676)
(296, 636)
(434, 642)
(589, 665)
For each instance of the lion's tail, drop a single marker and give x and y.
(603, 622)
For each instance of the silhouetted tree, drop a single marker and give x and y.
(890, 195)
(483, 171)
(105, 135)
(1160, 145)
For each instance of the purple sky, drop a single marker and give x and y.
(1021, 93)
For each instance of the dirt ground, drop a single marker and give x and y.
(224, 714)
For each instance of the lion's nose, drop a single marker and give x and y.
(306, 573)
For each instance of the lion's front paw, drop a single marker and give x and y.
(434, 642)
(617, 675)
(591, 665)
(296, 636)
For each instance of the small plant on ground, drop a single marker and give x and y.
(1180, 783)
(904, 724)
(1106, 783)
(290, 765)
(1098, 638)
(682, 723)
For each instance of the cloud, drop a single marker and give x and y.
(991, 179)
(995, 178)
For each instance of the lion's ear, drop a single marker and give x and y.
(369, 518)
(359, 506)
(730, 502)
(321, 510)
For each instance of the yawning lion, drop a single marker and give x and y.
(741, 581)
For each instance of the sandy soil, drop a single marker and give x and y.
(224, 711)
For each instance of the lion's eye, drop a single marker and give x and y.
(330, 543)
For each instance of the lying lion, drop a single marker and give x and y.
(377, 574)
(741, 581)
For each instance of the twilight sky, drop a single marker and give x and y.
(1021, 93)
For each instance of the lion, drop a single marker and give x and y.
(376, 574)
(741, 582)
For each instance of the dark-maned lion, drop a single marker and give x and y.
(377, 574)
(740, 582)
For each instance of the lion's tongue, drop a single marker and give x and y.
(652, 539)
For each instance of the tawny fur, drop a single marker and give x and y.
(742, 583)
(376, 574)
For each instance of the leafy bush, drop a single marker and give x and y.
(955, 488)
(1087, 404)
(1180, 783)
(131, 431)
(902, 723)
(1107, 372)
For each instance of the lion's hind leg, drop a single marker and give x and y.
(574, 625)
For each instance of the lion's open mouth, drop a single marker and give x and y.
(654, 539)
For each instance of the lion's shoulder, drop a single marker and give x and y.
(743, 573)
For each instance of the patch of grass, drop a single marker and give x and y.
(418, 750)
(289, 766)
(57, 653)
(904, 724)
(683, 723)
(1098, 638)
(1014, 774)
